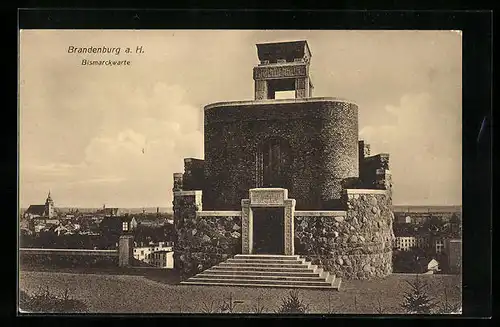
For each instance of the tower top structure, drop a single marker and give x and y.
(284, 66)
(293, 51)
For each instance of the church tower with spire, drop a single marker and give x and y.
(49, 207)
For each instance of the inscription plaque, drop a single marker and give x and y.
(268, 196)
(280, 71)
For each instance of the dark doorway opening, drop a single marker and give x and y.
(280, 85)
(273, 164)
(268, 231)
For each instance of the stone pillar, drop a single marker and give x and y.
(246, 227)
(125, 250)
(289, 227)
(178, 178)
(364, 150)
(261, 90)
(301, 87)
(383, 180)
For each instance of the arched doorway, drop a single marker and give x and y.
(272, 164)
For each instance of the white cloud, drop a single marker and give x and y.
(141, 156)
(422, 150)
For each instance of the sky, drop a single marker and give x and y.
(96, 135)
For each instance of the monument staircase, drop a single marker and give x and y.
(285, 271)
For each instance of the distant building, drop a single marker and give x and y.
(433, 266)
(454, 252)
(163, 259)
(46, 210)
(109, 212)
(405, 243)
(61, 230)
(143, 253)
(420, 214)
(438, 245)
(26, 226)
(151, 223)
(159, 255)
(53, 222)
(39, 228)
(422, 242)
(118, 225)
(129, 224)
(403, 219)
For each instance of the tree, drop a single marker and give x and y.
(455, 226)
(408, 261)
(434, 225)
(416, 299)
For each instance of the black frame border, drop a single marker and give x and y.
(477, 97)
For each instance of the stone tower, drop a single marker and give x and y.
(49, 207)
(308, 145)
(285, 177)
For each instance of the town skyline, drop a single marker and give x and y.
(115, 136)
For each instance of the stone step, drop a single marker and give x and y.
(270, 265)
(265, 261)
(260, 281)
(267, 256)
(307, 273)
(270, 277)
(328, 287)
(336, 283)
(266, 271)
(270, 269)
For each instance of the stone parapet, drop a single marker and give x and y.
(218, 213)
(352, 244)
(374, 172)
(320, 213)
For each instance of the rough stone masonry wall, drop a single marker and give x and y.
(202, 240)
(323, 140)
(193, 176)
(353, 245)
(369, 171)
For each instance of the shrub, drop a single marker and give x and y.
(378, 307)
(448, 306)
(293, 304)
(209, 307)
(45, 302)
(228, 305)
(258, 307)
(416, 299)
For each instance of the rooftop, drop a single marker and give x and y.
(274, 101)
(283, 50)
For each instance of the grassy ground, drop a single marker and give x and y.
(165, 276)
(113, 292)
